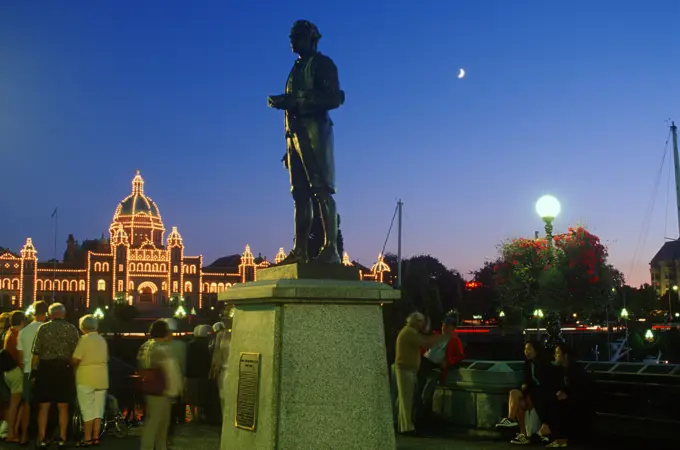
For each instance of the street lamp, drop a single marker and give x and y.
(624, 314)
(548, 207)
(98, 314)
(180, 313)
(538, 313)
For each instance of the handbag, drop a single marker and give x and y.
(7, 363)
(151, 382)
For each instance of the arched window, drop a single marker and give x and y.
(187, 286)
(164, 286)
(48, 285)
(206, 287)
(131, 285)
(155, 267)
(15, 284)
(140, 267)
(82, 285)
(175, 269)
(39, 285)
(213, 288)
(220, 287)
(193, 269)
(164, 268)
(101, 285)
(97, 266)
(120, 285)
(175, 286)
(147, 267)
(74, 285)
(105, 267)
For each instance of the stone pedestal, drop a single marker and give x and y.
(323, 376)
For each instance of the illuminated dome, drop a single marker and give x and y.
(139, 216)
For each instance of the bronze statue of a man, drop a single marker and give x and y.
(311, 91)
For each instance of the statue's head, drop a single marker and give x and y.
(304, 37)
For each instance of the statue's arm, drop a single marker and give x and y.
(326, 94)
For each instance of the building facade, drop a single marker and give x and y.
(135, 264)
(665, 267)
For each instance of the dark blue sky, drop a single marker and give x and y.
(569, 100)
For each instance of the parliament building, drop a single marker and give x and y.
(133, 265)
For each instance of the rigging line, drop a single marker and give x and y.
(647, 217)
(642, 241)
(389, 231)
(642, 237)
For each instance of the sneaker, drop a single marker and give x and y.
(556, 444)
(521, 439)
(507, 423)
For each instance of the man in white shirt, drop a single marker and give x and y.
(24, 346)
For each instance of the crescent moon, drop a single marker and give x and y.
(461, 73)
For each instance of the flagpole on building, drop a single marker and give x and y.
(55, 216)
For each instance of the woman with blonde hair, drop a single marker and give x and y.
(91, 360)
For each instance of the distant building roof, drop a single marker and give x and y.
(670, 251)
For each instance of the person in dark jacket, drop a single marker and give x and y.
(572, 396)
(538, 390)
(199, 359)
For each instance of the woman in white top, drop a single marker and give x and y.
(91, 359)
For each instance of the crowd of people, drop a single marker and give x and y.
(49, 362)
(177, 376)
(554, 394)
(46, 361)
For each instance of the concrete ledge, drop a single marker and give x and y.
(313, 291)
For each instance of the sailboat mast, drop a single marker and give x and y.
(676, 159)
(400, 204)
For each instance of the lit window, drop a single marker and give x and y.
(174, 286)
(175, 269)
(101, 285)
(120, 285)
(187, 286)
(120, 268)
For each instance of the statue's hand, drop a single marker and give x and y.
(283, 102)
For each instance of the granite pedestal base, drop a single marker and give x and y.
(323, 377)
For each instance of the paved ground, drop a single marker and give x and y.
(200, 437)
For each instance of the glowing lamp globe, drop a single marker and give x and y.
(548, 207)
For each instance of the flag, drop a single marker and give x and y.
(54, 213)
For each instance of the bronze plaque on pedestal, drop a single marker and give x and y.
(247, 394)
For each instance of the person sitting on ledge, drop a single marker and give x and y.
(437, 363)
(537, 391)
(571, 409)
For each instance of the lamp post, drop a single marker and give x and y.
(548, 207)
(670, 304)
(624, 316)
(539, 315)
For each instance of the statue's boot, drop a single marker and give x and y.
(329, 219)
(303, 226)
